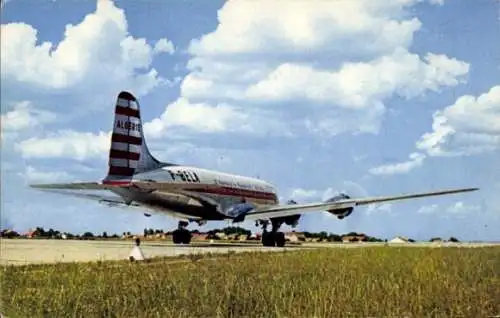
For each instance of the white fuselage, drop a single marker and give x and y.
(206, 193)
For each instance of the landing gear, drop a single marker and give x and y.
(273, 238)
(182, 235)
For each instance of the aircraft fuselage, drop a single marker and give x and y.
(207, 194)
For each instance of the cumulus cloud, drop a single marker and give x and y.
(31, 174)
(254, 74)
(457, 208)
(470, 126)
(361, 85)
(382, 208)
(415, 160)
(462, 208)
(24, 115)
(428, 209)
(97, 55)
(164, 45)
(68, 144)
(328, 74)
(95, 59)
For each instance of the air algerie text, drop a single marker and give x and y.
(128, 125)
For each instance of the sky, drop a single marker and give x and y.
(317, 97)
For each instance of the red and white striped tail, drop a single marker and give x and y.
(129, 153)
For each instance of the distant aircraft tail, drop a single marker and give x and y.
(129, 153)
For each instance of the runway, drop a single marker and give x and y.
(36, 251)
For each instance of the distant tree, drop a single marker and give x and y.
(9, 234)
(453, 239)
(323, 235)
(151, 232)
(104, 234)
(434, 239)
(128, 233)
(87, 235)
(235, 230)
(411, 240)
(334, 238)
(145, 232)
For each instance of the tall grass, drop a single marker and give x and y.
(375, 281)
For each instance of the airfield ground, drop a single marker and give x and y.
(366, 280)
(33, 251)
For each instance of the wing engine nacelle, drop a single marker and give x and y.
(340, 213)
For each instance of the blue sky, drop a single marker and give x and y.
(370, 98)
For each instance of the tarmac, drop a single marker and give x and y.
(36, 251)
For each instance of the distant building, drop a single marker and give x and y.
(30, 233)
(221, 235)
(294, 236)
(199, 237)
(354, 238)
(399, 239)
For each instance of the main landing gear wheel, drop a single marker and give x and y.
(273, 238)
(182, 235)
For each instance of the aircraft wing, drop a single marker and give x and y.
(141, 184)
(110, 200)
(292, 209)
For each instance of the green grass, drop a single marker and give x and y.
(358, 282)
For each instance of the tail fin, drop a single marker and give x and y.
(129, 153)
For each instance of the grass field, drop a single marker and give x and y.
(375, 281)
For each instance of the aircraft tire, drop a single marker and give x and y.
(279, 238)
(176, 237)
(186, 237)
(268, 239)
(181, 236)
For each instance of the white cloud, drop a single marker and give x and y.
(437, 2)
(95, 59)
(238, 81)
(206, 118)
(253, 27)
(428, 209)
(164, 45)
(302, 195)
(68, 144)
(96, 55)
(361, 85)
(32, 174)
(416, 160)
(458, 208)
(199, 116)
(382, 208)
(470, 126)
(24, 115)
(327, 73)
(462, 208)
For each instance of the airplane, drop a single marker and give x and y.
(193, 194)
